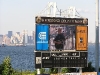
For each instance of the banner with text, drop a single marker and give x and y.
(42, 38)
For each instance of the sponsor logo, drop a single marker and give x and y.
(42, 37)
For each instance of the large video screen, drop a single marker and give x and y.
(62, 37)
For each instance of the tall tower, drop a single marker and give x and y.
(9, 34)
(1, 38)
(24, 37)
(32, 37)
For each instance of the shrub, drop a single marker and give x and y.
(90, 68)
(64, 70)
(5, 67)
(53, 70)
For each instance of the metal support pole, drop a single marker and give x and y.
(54, 9)
(38, 71)
(97, 38)
(59, 71)
(80, 70)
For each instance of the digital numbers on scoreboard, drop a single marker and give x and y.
(65, 54)
(64, 59)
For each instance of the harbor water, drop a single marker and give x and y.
(22, 58)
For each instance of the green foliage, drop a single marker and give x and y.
(42, 71)
(53, 70)
(64, 70)
(35, 72)
(5, 67)
(72, 69)
(90, 68)
(25, 72)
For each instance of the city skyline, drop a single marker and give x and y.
(18, 38)
(17, 15)
(29, 33)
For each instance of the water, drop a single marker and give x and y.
(22, 58)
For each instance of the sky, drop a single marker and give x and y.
(19, 15)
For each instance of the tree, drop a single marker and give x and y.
(5, 67)
(90, 68)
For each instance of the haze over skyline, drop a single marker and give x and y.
(18, 15)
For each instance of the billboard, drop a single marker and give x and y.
(81, 38)
(42, 37)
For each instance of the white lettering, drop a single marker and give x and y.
(42, 41)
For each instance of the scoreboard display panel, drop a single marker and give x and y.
(62, 42)
(62, 59)
(65, 34)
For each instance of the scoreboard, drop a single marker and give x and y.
(62, 59)
(74, 52)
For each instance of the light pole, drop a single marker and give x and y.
(97, 37)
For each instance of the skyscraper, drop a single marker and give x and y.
(18, 33)
(9, 34)
(26, 36)
(1, 39)
(29, 39)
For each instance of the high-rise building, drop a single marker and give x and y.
(1, 39)
(29, 39)
(1, 35)
(9, 34)
(18, 33)
(26, 36)
(32, 36)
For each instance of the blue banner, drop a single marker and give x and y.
(42, 37)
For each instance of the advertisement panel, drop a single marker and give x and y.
(81, 38)
(42, 37)
(62, 37)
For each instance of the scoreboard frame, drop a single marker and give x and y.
(77, 22)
